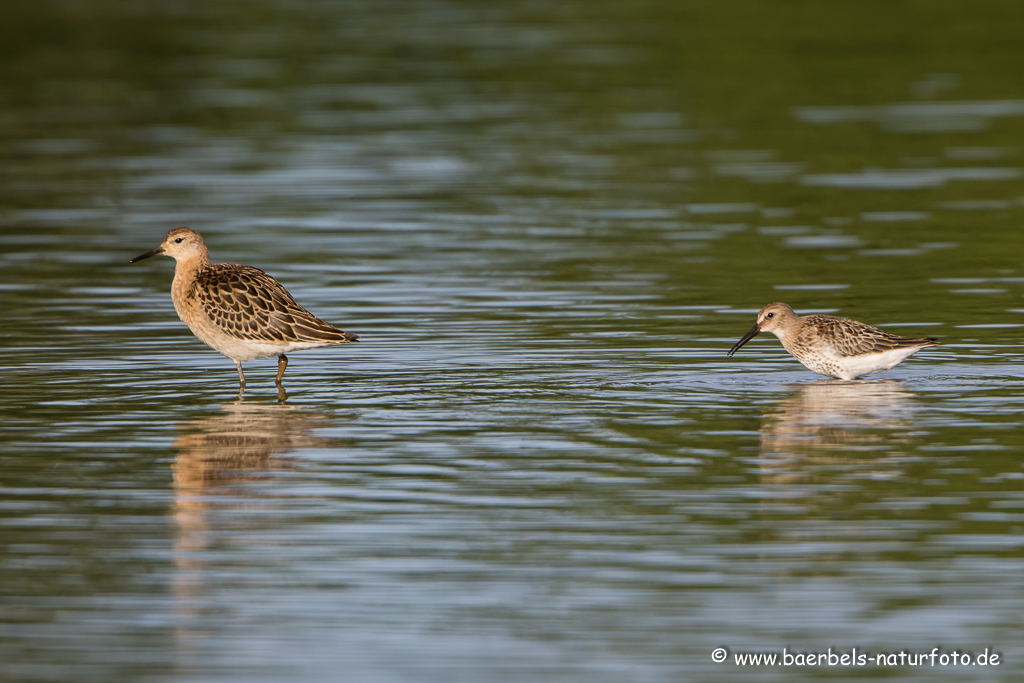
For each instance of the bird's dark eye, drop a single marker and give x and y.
(179, 240)
(769, 315)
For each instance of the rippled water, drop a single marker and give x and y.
(547, 225)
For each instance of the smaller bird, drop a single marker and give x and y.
(238, 310)
(831, 346)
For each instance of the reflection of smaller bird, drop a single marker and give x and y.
(839, 416)
(239, 310)
(831, 346)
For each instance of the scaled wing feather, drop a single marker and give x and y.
(248, 304)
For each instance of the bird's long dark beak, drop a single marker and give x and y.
(153, 252)
(754, 331)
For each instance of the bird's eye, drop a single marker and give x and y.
(769, 315)
(179, 240)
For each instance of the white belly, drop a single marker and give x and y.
(852, 367)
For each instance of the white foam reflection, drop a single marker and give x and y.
(917, 117)
(907, 179)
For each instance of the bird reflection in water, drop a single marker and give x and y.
(219, 458)
(242, 441)
(833, 416)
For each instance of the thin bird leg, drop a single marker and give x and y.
(282, 363)
(241, 377)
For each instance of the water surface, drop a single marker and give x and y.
(547, 224)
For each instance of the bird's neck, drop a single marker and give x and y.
(787, 332)
(185, 271)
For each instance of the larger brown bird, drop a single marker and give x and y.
(239, 310)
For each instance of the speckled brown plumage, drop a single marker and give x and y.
(831, 346)
(238, 310)
(852, 338)
(247, 303)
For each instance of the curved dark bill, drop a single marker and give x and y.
(754, 331)
(154, 252)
